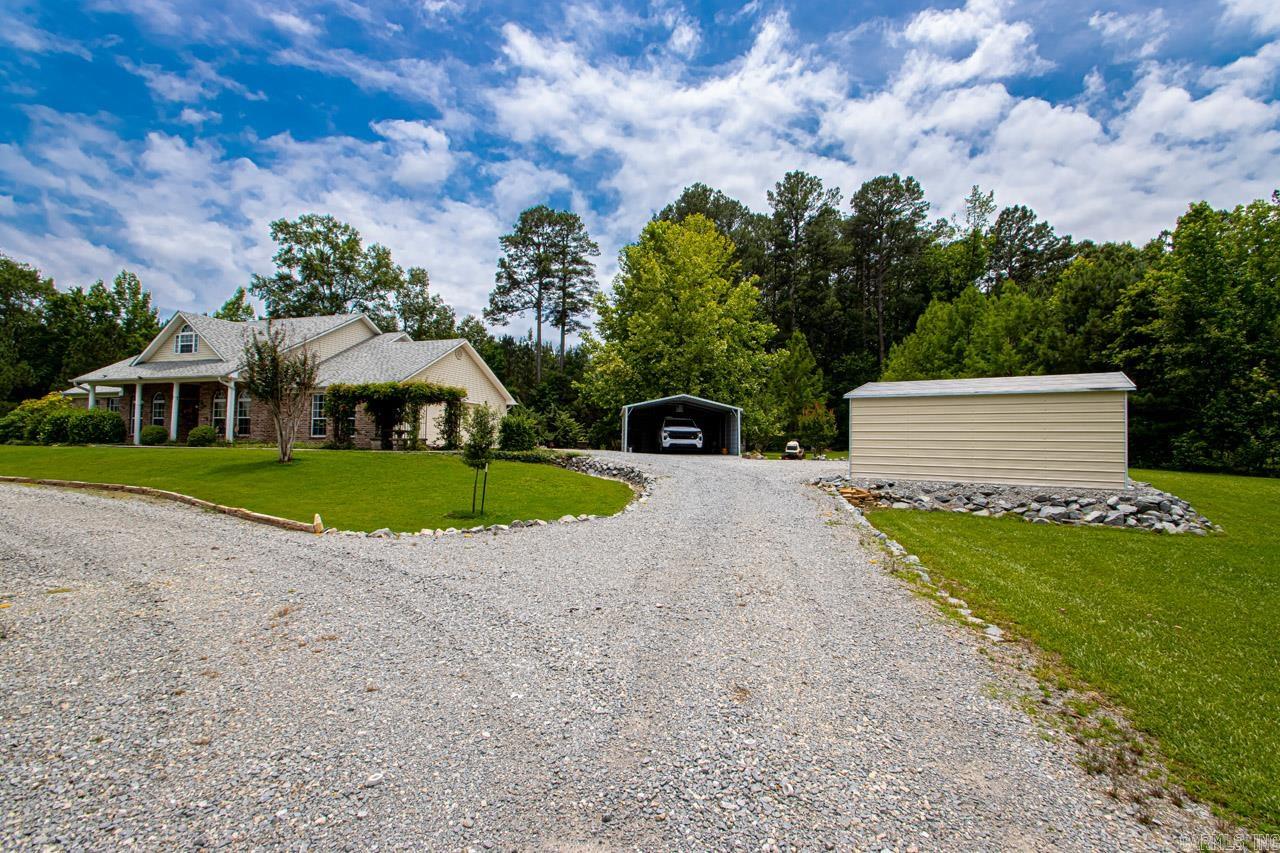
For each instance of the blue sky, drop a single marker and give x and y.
(164, 135)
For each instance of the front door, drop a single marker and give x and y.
(188, 410)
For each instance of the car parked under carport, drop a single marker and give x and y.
(720, 424)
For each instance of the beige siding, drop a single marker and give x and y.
(332, 343)
(165, 351)
(1068, 439)
(459, 369)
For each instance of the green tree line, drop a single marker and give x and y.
(782, 311)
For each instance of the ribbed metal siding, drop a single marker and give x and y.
(1064, 439)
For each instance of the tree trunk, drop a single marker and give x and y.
(563, 322)
(880, 316)
(537, 356)
(284, 438)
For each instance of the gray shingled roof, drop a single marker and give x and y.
(225, 336)
(127, 371)
(390, 357)
(299, 329)
(1059, 384)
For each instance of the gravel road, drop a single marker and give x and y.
(721, 668)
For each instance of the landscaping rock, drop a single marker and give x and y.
(1141, 505)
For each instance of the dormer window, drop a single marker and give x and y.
(186, 342)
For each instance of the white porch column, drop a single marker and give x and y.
(173, 415)
(93, 396)
(137, 413)
(231, 413)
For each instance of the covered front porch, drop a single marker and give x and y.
(182, 406)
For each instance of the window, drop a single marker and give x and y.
(158, 407)
(186, 341)
(218, 415)
(317, 416)
(242, 414)
(113, 404)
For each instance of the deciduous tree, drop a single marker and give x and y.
(323, 267)
(237, 309)
(681, 319)
(281, 378)
(423, 314)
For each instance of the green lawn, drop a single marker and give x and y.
(1182, 631)
(352, 490)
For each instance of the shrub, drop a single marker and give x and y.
(520, 430)
(95, 426)
(24, 422)
(565, 430)
(152, 435)
(449, 425)
(202, 436)
(55, 427)
(539, 455)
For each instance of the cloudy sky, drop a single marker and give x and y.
(163, 135)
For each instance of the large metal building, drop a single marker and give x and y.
(721, 424)
(1066, 430)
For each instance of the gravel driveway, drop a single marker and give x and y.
(720, 668)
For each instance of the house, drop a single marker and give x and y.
(1065, 430)
(186, 377)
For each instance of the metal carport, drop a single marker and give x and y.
(721, 423)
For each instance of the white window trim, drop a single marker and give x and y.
(214, 417)
(186, 337)
(324, 423)
(243, 400)
(159, 401)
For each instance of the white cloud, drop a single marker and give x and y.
(423, 152)
(22, 35)
(1252, 75)
(1262, 15)
(971, 44)
(1138, 35)
(196, 118)
(200, 81)
(410, 78)
(193, 221)
(293, 24)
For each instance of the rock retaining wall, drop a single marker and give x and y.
(1141, 506)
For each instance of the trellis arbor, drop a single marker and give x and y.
(390, 404)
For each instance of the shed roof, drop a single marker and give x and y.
(1063, 383)
(684, 398)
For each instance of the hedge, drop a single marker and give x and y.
(152, 435)
(95, 426)
(202, 436)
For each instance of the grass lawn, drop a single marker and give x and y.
(353, 490)
(1182, 631)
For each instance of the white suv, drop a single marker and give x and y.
(680, 432)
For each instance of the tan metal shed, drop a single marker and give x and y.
(1065, 430)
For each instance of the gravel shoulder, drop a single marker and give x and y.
(723, 666)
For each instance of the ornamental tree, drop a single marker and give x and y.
(281, 378)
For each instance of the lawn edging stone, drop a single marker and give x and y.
(1141, 506)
